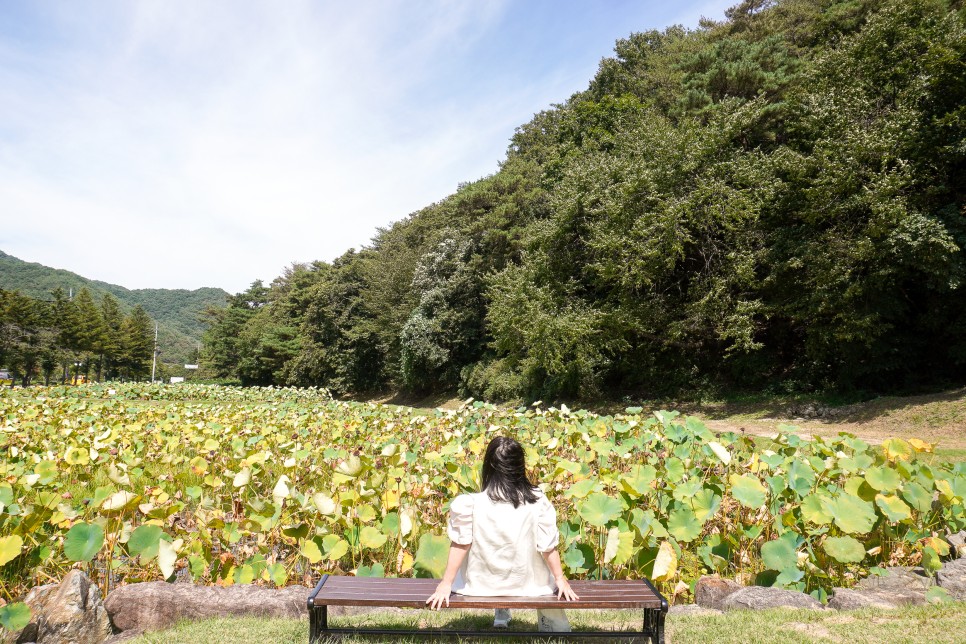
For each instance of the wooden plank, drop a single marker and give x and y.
(412, 593)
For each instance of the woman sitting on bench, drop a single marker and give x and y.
(504, 540)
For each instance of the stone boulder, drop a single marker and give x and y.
(69, 612)
(899, 579)
(711, 591)
(952, 578)
(957, 543)
(157, 604)
(851, 599)
(762, 598)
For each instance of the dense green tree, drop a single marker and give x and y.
(137, 344)
(773, 200)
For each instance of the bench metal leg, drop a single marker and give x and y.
(318, 624)
(318, 615)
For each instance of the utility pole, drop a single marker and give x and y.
(154, 359)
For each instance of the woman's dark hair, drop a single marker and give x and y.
(505, 473)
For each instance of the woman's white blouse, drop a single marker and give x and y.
(506, 555)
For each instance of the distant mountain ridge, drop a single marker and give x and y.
(177, 311)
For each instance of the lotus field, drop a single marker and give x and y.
(231, 486)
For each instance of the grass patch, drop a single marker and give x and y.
(936, 623)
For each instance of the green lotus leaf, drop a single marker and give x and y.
(917, 496)
(310, 550)
(276, 574)
(83, 541)
(375, 570)
(371, 537)
(683, 525)
(638, 481)
(599, 509)
(391, 524)
(338, 551)
(883, 479)
(579, 558)
(816, 509)
(10, 548)
(431, 555)
(15, 616)
(779, 554)
(747, 490)
(46, 470)
(705, 503)
(852, 515)
(844, 549)
(581, 489)
(687, 489)
(893, 508)
(144, 541)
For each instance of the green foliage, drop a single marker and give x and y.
(231, 485)
(177, 311)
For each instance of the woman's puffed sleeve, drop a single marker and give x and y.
(547, 535)
(460, 527)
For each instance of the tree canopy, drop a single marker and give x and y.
(771, 201)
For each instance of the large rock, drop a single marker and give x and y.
(761, 598)
(849, 599)
(157, 604)
(898, 579)
(952, 577)
(711, 591)
(957, 543)
(70, 612)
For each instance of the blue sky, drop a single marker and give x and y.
(185, 143)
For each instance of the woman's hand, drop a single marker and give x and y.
(564, 591)
(441, 595)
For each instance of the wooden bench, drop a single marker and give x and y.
(412, 593)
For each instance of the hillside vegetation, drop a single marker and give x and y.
(774, 202)
(179, 312)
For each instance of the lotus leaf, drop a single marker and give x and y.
(10, 548)
(683, 525)
(638, 481)
(119, 501)
(852, 515)
(15, 616)
(893, 508)
(897, 449)
(310, 550)
(375, 570)
(917, 496)
(720, 451)
(144, 541)
(599, 509)
(581, 489)
(705, 504)
(371, 537)
(747, 490)
(431, 555)
(579, 558)
(816, 509)
(779, 554)
(883, 479)
(666, 563)
(83, 541)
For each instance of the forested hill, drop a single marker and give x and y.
(775, 202)
(177, 311)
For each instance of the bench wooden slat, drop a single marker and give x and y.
(412, 593)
